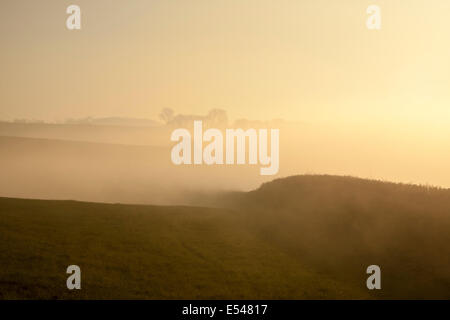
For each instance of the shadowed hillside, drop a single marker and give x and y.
(293, 238)
(341, 225)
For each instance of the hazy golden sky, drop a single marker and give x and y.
(302, 60)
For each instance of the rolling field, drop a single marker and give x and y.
(146, 252)
(306, 237)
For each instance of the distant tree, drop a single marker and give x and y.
(166, 115)
(214, 118)
(217, 117)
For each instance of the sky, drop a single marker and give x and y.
(372, 103)
(258, 59)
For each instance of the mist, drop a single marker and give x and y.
(132, 164)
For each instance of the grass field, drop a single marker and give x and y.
(297, 238)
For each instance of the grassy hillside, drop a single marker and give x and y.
(341, 225)
(294, 238)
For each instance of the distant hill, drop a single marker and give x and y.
(116, 121)
(106, 172)
(295, 238)
(106, 130)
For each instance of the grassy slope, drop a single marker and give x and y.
(127, 251)
(341, 225)
(299, 237)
